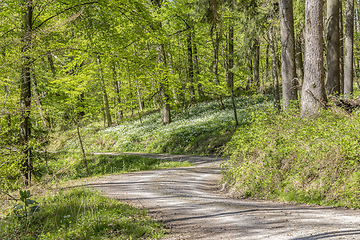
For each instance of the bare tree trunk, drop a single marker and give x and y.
(257, 63)
(51, 63)
(25, 95)
(267, 70)
(333, 48)
(105, 96)
(341, 46)
(289, 87)
(44, 119)
(216, 45)
(249, 71)
(299, 61)
(196, 63)
(117, 92)
(349, 47)
(313, 96)
(275, 77)
(190, 67)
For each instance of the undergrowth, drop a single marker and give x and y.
(70, 166)
(284, 157)
(80, 214)
(201, 129)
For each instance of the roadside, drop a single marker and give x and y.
(191, 206)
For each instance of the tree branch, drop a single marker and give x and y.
(67, 9)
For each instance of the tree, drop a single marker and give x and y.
(313, 96)
(349, 47)
(289, 87)
(333, 48)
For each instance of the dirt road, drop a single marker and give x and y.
(190, 204)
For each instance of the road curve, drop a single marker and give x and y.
(189, 203)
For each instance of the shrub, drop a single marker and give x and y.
(287, 158)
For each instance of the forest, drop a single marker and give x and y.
(272, 85)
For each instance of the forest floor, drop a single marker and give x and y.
(192, 205)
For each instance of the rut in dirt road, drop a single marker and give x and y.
(190, 204)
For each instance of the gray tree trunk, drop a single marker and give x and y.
(289, 85)
(117, 92)
(190, 67)
(313, 96)
(341, 36)
(333, 48)
(249, 71)
(349, 47)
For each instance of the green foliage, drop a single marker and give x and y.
(81, 214)
(202, 129)
(291, 159)
(27, 207)
(70, 165)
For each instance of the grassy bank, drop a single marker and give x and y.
(78, 214)
(286, 158)
(201, 129)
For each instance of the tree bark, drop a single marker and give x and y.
(275, 77)
(105, 96)
(341, 46)
(299, 61)
(349, 47)
(257, 63)
(117, 92)
(249, 71)
(289, 87)
(190, 67)
(313, 96)
(333, 48)
(25, 95)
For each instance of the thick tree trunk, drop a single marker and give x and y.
(257, 63)
(349, 47)
(333, 48)
(105, 96)
(289, 86)
(313, 96)
(341, 46)
(25, 95)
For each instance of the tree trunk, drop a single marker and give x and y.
(333, 48)
(44, 119)
(249, 71)
(257, 63)
(299, 61)
(82, 149)
(196, 63)
(230, 66)
(313, 96)
(117, 92)
(51, 63)
(190, 67)
(341, 36)
(105, 96)
(25, 95)
(349, 47)
(289, 86)
(275, 77)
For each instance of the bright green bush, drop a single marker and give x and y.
(287, 158)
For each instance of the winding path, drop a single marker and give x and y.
(191, 206)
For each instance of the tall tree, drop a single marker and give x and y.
(333, 48)
(349, 47)
(313, 96)
(287, 52)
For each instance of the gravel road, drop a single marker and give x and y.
(191, 206)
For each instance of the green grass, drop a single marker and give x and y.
(202, 129)
(70, 166)
(283, 157)
(80, 214)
